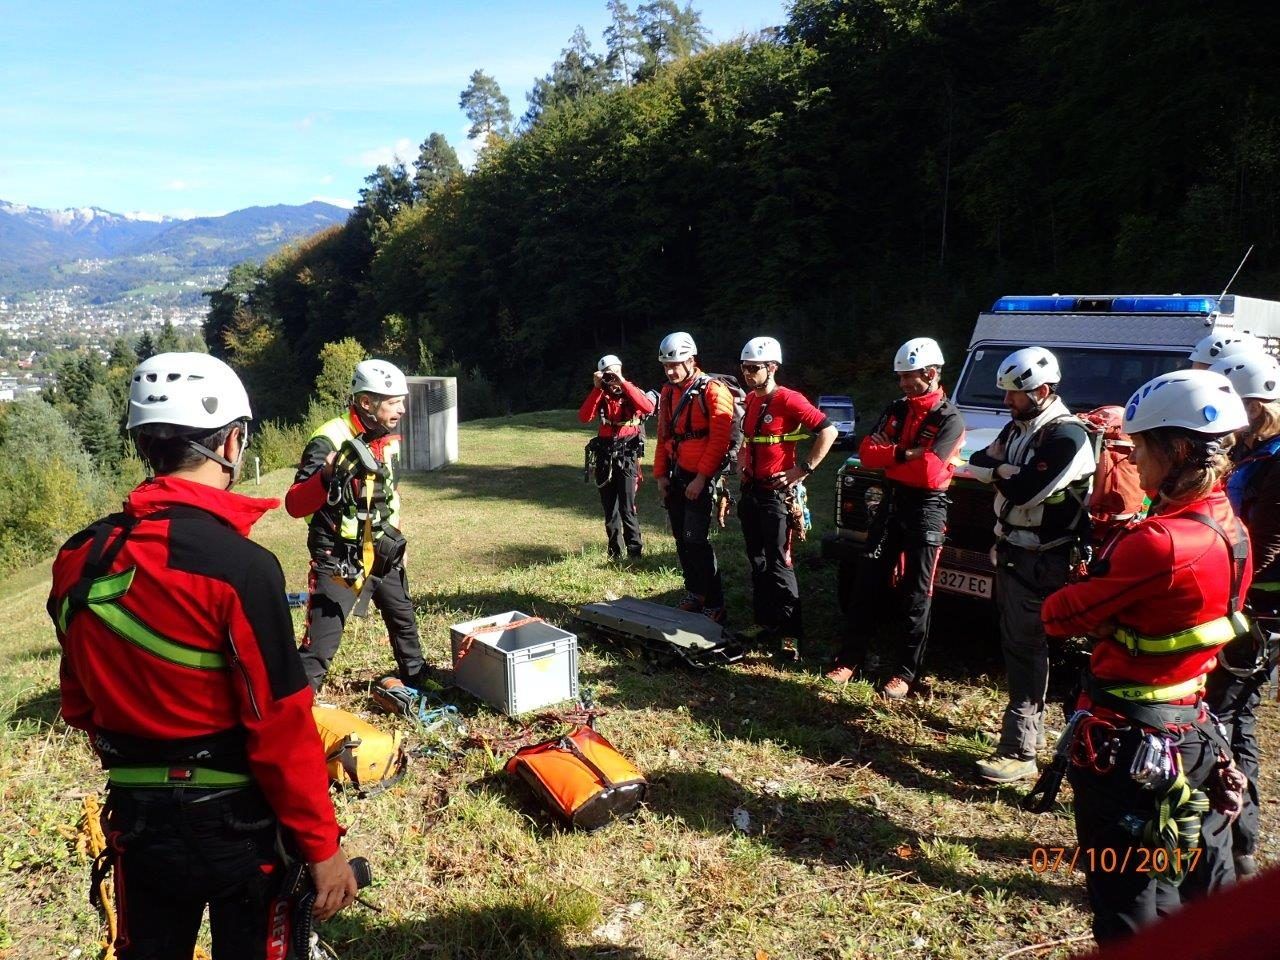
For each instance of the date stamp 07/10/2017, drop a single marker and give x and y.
(1113, 859)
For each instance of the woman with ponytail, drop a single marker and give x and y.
(1153, 782)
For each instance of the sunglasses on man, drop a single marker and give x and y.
(752, 367)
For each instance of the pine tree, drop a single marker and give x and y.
(624, 42)
(578, 73)
(437, 164)
(145, 347)
(487, 107)
(168, 340)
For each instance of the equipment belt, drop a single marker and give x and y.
(176, 776)
(780, 437)
(1205, 636)
(633, 422)
(1147, 705)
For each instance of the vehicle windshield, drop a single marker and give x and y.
(837, 412)
(1091, 377)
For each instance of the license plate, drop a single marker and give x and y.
(960, 581)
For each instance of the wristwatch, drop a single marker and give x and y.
(806, 466)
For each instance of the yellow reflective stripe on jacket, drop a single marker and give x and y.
(338, 431)
(1145, 693)
(1203, 637)
(780, 437)
(163, 777)
(100, 602)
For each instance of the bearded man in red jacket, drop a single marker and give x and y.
(914, 443)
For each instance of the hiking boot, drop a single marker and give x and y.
(1000, 769)
(690, 603)
(840, 675)
(716, 615)
(1246, 866)
(635, 553)
(896, 689)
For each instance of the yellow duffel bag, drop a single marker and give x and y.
(358, 753)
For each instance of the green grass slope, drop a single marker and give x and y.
(787, 819)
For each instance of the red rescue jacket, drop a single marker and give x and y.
(615, 413)
(1164, 574)
(204, 587)
(929, 421)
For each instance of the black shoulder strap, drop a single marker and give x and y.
(698, 385)
(1239, 550)
(101, 555)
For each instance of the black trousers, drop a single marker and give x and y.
(1124, 899)
(775, 592)
(691, 526)
(328, 607)
(616, 477)
(178, 852)
(1234, 700)
(895, 587)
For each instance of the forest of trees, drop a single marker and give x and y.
(872, 168)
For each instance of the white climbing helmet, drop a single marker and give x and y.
(1027, 369)
(184, 393)
(1198, 400)
(1217, 346)
(916, 354)
(762, 350)
(607, 361)
(1254, 376)
(380, 378)
(676, 348)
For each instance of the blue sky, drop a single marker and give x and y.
(198, 108)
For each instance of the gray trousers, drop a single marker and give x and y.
(1023, 579)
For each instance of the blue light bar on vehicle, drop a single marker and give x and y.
(1164, 304)
(1034, 305)
(1128, 304)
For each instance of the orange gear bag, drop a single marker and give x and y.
(581, 778)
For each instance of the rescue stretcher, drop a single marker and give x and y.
(665, 631)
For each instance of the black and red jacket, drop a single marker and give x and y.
(199, 582)
(930, 421)
(616, 413)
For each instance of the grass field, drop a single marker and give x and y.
(787, 819)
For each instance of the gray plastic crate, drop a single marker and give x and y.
(515, 670)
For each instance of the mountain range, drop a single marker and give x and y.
(111, 253)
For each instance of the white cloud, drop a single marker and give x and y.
(177, 185)
(327, 178)
(402, 149)
(344, 202)
(466, 149)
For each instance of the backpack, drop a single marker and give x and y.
(698, 389)
(1117, 496)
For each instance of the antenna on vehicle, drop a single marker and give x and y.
(1237, 273)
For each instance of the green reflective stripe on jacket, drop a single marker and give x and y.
(126, 625)
(1268, 587)
(780, 438)
(338, 431)
(100, 591)
(100, 600)
(1203, 637)
(1145, 693)
(185, 776)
